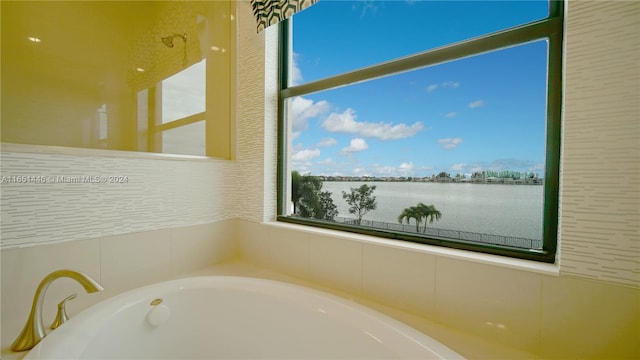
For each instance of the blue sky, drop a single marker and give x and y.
(480, 113)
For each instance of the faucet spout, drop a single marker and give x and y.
(34, 329)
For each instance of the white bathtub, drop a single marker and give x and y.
(222, 317)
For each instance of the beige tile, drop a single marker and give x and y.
(495, 303)
(336, 263)
(253, 242)
(288, 251)
(22, 271)
(133, 260)
(196, 247)
(583, 319)
(399, 278)
(280, 249)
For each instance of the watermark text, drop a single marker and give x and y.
(64, 179)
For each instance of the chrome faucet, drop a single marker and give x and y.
(33, 330)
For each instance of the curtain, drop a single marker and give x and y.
(269, 12)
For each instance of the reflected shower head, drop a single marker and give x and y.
(168, 40)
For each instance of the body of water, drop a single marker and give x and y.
(509, 210)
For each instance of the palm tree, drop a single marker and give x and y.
(410, 213)
(428, 213)
(420, 212)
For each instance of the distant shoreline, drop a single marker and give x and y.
(449, 180)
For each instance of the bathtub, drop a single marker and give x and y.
(228, 317)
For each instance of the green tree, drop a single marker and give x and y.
(420, 213)
(308, 198)
(429, 213)
(327, 209)
(295, 189)
(360, 200)
(408, 214)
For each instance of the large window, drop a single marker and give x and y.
(426, 121)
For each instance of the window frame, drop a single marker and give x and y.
(155, 128)
(550, 28)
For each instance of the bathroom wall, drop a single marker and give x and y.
(118, 263)
(148, 218)
(600, 161)
(532, 313)
(140, 193)
(587, 306)
(169, 217)
(590, 310)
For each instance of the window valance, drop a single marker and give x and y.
(269, 12)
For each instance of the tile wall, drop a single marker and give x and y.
(156, 192)
(119, 263)
(535, 315)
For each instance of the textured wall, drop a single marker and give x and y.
(600, 230)
(158, 193)
(600, 216)
(256, 117)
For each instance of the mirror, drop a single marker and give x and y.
(134, 75)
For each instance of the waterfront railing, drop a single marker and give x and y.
(493, 239)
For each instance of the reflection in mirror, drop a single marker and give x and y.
(118, 75)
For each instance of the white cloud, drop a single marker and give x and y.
(370, 7)
(346, 122)
(458, 167)
(359, 171)
(304, 109)
(449, 143)
(296, 74)
(476, 104)
(507, 164)
(406, 167)
(305, 155)
(476, 168)
(537, 167)
(357, 144)
(326, 142)
(327, 161)
(450, 114)
(446, 84)
(385, 170)
(451, 84)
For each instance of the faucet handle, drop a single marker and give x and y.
(62, 316)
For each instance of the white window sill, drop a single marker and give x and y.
(495, 260)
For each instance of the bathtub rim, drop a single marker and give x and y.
(67, 338)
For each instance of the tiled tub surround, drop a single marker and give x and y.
(541, 315)
(118, 263)
(481, 310)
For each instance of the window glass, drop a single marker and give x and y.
(434, 122)
(466, 137)
(334, 37)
